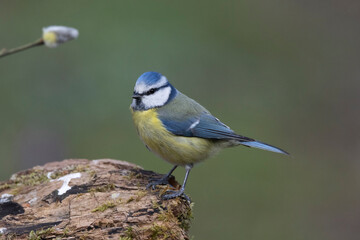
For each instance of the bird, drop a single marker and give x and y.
(179, 130)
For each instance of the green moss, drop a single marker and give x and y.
(32, 178)
(9, 236)
(158, 232)
(125, 238)
(130, 199)
(40, 234)
(104, 207)
(130, 233)
(172, 214)
(27, 178)
(33, 236)
(4, 186)
(71, 169)
(66, 232)
(84, 237)
(162, 232)
(105, 188)
(56, 175)
(140, 194)
(186, 217)
(16, 190)
(156, 205)
(134, 175)
(92, 173)
(165, 215)
(183, 216)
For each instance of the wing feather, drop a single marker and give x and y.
(203, 126)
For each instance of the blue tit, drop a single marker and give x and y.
(178, 129)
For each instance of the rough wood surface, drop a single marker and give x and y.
(82, 199)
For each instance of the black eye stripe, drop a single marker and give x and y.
(153, 90)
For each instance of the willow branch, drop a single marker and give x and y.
(4, 52)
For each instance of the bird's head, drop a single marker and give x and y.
(152, 90)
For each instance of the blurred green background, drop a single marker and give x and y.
(284, 72)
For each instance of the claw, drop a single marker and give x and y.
(153, 184)
(163, 181)
(170, 194)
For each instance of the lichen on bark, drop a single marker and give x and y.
(100, 198)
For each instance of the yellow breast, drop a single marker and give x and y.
(174, 149)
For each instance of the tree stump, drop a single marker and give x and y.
(82, 199)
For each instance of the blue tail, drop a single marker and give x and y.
(263, 146)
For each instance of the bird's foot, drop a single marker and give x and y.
(170, 194)
(162, 181)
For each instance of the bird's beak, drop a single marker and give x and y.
(136, 96)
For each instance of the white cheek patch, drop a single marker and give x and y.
(159, 98)
(142, 87)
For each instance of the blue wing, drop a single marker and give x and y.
(203, 126)
(209, 127)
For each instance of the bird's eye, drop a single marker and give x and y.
(151, 91)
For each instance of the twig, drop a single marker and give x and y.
(4, 52)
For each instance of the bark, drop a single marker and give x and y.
(82, 199)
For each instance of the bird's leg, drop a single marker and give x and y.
(173, 194)
(162, 181)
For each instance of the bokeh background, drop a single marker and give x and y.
(284, 72)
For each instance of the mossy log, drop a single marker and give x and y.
(82, 199)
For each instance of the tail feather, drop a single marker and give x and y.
(263, 146)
